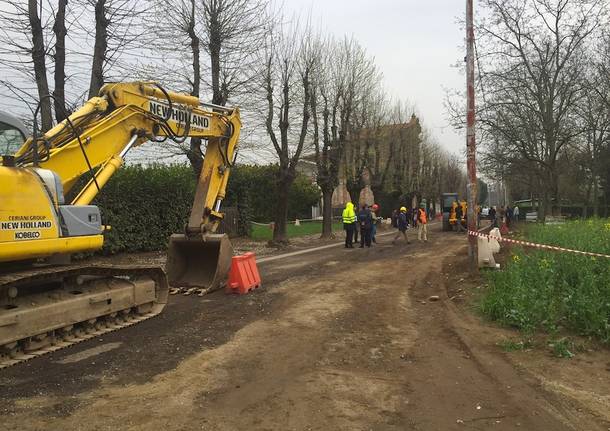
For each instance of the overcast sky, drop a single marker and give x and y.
(415, 43)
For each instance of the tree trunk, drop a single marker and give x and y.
(59, 28)
(377, 190)
(354, 188)
(99, 49)
(195, 156)
(196, 52)
(217, 97)
(194, 153)
(281, 211)
(555, 200)
(543, 201)
(40, 68)
(327, 212)
(595, 197)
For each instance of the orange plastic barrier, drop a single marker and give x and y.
(244, 275)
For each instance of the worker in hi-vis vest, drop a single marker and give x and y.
(349, 224)
(422, 224)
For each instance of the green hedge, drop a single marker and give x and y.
(145, 205)
(257, 184)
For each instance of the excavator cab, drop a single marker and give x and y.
(198, 264)
(12, 135)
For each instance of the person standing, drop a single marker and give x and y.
(376, 220)
(422, 224)
(349, 222)
(365, 222)
(509, 216)
(402, 226)
(492, 217)
(516, 213)
(356, 226)
(459, 214)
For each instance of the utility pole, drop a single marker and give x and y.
(470, 141)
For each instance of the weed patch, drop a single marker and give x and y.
(555, 291)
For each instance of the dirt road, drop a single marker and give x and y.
(335, 340)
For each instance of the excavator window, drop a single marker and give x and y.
(11, 139)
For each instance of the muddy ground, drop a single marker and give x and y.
(335, 340)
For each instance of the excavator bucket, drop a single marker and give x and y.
(198, 263)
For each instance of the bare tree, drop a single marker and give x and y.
(185, 31)
(531, 59)
(117, 29)
(362, 92)
(594, 119)
(234, 33)
(386, 139)
(40, 67)
(336, 92)
(287, 75)
(59, 28)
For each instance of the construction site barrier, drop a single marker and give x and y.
(244, 275)
(535, 245)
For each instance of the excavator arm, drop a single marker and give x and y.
(97, 137)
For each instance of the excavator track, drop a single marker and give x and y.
(46, 309)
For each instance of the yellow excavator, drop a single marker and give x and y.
(46, 302)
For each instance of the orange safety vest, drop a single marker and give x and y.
(422, 216)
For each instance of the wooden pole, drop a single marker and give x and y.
(470, 138)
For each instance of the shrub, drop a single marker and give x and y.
(145, 205)
(551, 290)
(257, 185)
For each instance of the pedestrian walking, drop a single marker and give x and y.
(509, 216)
(422, 224)
(395, 218)
(365, 222)
(349, 224)
(376, 221)
(402, 224)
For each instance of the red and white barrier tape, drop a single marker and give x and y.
(533, 244)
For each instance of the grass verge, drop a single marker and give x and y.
(555, 291)
(264, 233)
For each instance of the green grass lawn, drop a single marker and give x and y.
(264, 233)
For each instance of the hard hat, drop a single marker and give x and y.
(375, 206)
(403, 209)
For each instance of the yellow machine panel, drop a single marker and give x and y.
(26, 211)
